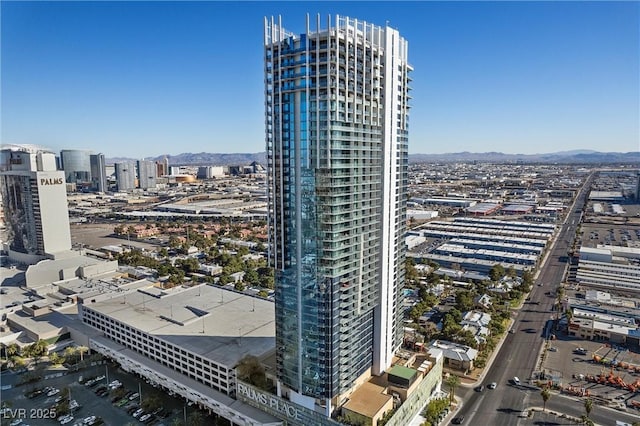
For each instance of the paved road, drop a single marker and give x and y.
(519, 354)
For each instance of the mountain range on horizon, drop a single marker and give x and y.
(578, 156)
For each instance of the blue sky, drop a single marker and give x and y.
(141, 79)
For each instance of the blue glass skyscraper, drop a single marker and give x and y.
(336, 116)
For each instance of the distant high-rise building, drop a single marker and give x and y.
(76, 164)
(35, 203)
(165, 162)
(210, 172)
(147, 174)
(125, 176)
(337, 112)
(98, 173)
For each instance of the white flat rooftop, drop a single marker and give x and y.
(206, 320)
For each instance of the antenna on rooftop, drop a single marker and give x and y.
(253, 308)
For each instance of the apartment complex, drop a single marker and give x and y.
(337, 111)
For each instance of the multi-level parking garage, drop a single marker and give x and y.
(478, 244)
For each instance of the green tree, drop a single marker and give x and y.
(152, 402)
(250, 370)
(527, 278)
(411, 274)
(239, 286)
(188, 265)
(453, 382)
(496, 272)
(251, 277)
(56, 359)
(12, 349)
(224, 278)
(464, 300)
(195, 418)
(545, 394)
(588, 406)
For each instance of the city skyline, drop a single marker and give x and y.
(512, 77)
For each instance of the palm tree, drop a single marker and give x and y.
(452, 381)
(588, 406)
(82, 350)
(546, 394)
(12, 349)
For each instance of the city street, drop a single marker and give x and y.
(520, 353)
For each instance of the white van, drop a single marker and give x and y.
(516, 381)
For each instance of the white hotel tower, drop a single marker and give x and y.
(34, 198)
(336, 116)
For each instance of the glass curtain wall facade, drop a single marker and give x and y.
(98, 173)
(76, 165)
(336, 116)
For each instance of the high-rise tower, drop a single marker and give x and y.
(98, 172)
(34, 198)
(76, 164)
(336, 115)
(125, 175)
(147, 174)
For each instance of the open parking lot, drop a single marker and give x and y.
(38, 409)
(577, 371)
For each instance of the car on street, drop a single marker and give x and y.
(553, 349)
(458, 420)
(492, 385)
(479, 388)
